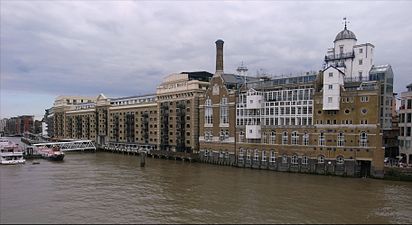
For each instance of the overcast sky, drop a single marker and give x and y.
(121, 48)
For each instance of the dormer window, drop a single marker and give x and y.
(330, 74)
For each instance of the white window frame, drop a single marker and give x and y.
(295, 160)
(340, 139)
(208, 112)
(272, 137)
(256, 155)
(305, 139)
(224, 111)
(322, 139)
(363, 139)
(284, 138)
(263, 156)
(304, 160)
(321, 159)
(294, 138)
(272, 156)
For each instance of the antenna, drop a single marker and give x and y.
(242, 71)
(345, 21)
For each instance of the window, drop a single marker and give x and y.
(364, 98)
(304, 160)
(256, 156)
(341, 140)
(241, 136)
(263, 156)
(295, 138)
(341, 49)
(330, 86)
(265, 138)
(322, 139)
(329, 99)
(224, 111)
(272, 137)
(223, 135)
(361, 50)
(241, 155)
(339, 160)
(330, 74)
(206, 153)
(321, 159)
(363, 140)
(272, 156)
(248, 155)
(208, 112)
(306, 139)
(284, 159)
(285, 138)
(360, 74)
(360, 61)
(295, 160)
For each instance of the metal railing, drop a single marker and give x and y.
(339, 56)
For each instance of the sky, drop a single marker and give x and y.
(124, 48)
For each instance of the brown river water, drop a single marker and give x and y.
(112, 188)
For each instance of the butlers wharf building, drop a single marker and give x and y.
(326, 122)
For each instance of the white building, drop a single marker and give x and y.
(405, 125)
(355, 60)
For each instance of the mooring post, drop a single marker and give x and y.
(142, 159)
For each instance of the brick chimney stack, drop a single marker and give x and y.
(219, 56)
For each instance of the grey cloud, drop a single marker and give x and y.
(126, 47)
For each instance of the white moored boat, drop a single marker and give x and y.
(10, 153)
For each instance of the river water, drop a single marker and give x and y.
(112, 188)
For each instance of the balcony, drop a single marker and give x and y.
(340, 56)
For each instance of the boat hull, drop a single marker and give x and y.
(55, 157)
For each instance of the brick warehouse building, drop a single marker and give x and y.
(326, 122)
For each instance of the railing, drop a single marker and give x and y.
(340, 56)
(356, 79)
(70, 146)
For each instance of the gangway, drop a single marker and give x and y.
(79, 145)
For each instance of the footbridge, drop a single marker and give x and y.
(79, 145)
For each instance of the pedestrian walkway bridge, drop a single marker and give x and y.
(79, 145)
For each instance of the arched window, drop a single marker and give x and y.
(256, 155)
(248, 155)
(321, 159)
(294, 159)
(306, 139)
(206, 153)
(285, 138)
(321, 139)
(224, 111)
(208, 112)
(265, 138)
(363, 139)
(263, 156)
(272, 156)
(284, 159)
(272, 137)
(340, 160)
(305, 160)
(341, 140)
(295, 138)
